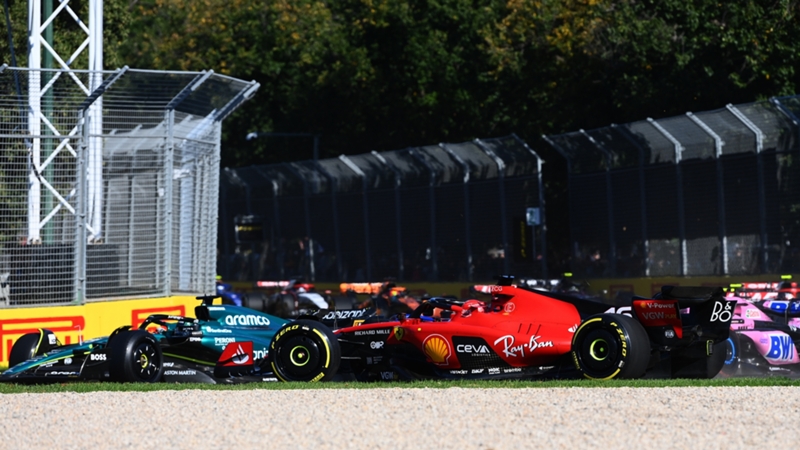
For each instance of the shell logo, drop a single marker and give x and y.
(437, 349)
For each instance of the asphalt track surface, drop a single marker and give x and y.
(400, 418)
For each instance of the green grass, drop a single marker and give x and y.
(10, 388)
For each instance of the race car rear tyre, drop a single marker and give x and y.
(28, 346)
(256, 301)
(305, 350)
(283, 306)
(701, 368)
(135, 356)
(610, 346)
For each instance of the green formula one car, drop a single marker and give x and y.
(223, 344)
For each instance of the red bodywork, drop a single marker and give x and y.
(522, 327)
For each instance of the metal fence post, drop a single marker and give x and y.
(334, 206)
(307, 213)
(80, 222)
(539, 163)
(501, 182)
(364, 183)
(432, 200)
(718, 143)
(642, 195)
(679, 175)
(571, 225)
(398, 179)
(168, 176)
(467, 218)
(612, 241)
(762, 198)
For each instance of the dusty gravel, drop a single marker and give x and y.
(398, 418)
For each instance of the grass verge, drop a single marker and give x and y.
(12, 388)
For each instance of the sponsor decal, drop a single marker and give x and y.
(459, 372)
(61, 374)
(373, 332)
(247, 320)
(437, 349)
(239, 354)
(67, 361)
(218, 330)
(471, 348)
(375, 345)
(476, 371)
(68, 328)
(97, 357)
(573, 328)
(656, 315)
(195, 339)
(624, 310)
(52, 339)
(180, 372)
(493, 370)
(512, 370)
(510, 307)
(398, 333)
(659, 305)
(344, 315)
(781, 348)
(216, 308)
(387, 376)
(169, 364)
(513, 350)
(782, 306)
(751, 313)
(723, 312)
(223, 341)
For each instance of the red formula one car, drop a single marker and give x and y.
(519, 333)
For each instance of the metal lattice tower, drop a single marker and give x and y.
(44, 201)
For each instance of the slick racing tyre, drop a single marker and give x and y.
(702, 368)
(255, 300)
(135, 356)
(610, 346)
(283, 306)
(30, 345)
(305, 350)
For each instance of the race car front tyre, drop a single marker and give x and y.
(28, 346)
(135, 356)
(305, 350)
(701, 368)
(610, 346)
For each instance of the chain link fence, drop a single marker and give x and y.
(711, 193)
(109, 182)
(446, 212)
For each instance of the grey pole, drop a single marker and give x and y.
(681, 213)
(762, 197)
(501, 181)
(642, 195)
(432, 200)
(398, 177)
(467, 217)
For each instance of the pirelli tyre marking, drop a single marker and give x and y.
(611, 346)
(302, 352)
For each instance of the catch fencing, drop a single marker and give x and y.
(709, 193)
(109, 182)
(466, 211)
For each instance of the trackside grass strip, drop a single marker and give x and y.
(11, 388)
